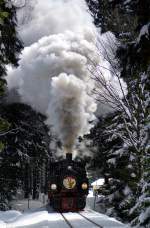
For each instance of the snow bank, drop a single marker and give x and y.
(8, 216)
(2, 224)
(38, 219)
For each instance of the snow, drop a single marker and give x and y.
(133, 175)
(103, 220)
(127, 190)
(2, 224)
(9, 216)
(39, 216)
(127, 1)
(95, 211)
(144, 215)
(92, 202)
(46, 219)
(90, 193)
(144, 32)
(112, 161)
(98, 182)
(74, 219)
(22, 205)
(41, 219)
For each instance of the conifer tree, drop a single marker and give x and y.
(10, 47)
(27, 148)
(133, 55)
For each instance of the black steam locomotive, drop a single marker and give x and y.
(68, 185)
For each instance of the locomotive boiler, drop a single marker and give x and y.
(68, 185)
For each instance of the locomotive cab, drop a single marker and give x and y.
(68, 185)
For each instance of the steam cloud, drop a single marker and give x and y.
(71, 108)
(53, 75)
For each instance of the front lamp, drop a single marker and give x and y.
(53, 186)
(84, 186)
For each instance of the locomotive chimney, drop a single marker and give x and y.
(69, 156)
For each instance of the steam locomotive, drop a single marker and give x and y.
(68, 185)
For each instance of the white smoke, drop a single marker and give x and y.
(53, 75)
(71, 108)
(42, 18)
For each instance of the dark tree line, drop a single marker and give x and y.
(24, 140)
(10, 47)
(123, 137)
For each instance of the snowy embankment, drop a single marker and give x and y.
(44, 217)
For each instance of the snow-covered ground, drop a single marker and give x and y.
(46, 219)
(38, 216)
(92, 202)
(25, 205)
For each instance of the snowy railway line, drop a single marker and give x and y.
(45, 217)
(97, 225)
(85, 221)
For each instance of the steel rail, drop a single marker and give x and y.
(89, 220)
(96, 224)
(68, 223)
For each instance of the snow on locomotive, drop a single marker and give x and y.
(68, 185)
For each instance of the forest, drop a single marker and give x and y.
(117, 147)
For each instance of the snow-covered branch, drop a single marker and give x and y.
(12, 131)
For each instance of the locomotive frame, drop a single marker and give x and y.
(68, 185)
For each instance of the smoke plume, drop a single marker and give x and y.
(54, 68)
(53, 75)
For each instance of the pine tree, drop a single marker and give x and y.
(136, 71)
(10, 47)
(27, 148)
(116, 165)
(134, 59)
(141, 210)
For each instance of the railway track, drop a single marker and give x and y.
(74, 219)
(96, 224)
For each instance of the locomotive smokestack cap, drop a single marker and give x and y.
(69, 156)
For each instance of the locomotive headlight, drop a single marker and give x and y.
(84, 186)
(53, 186)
